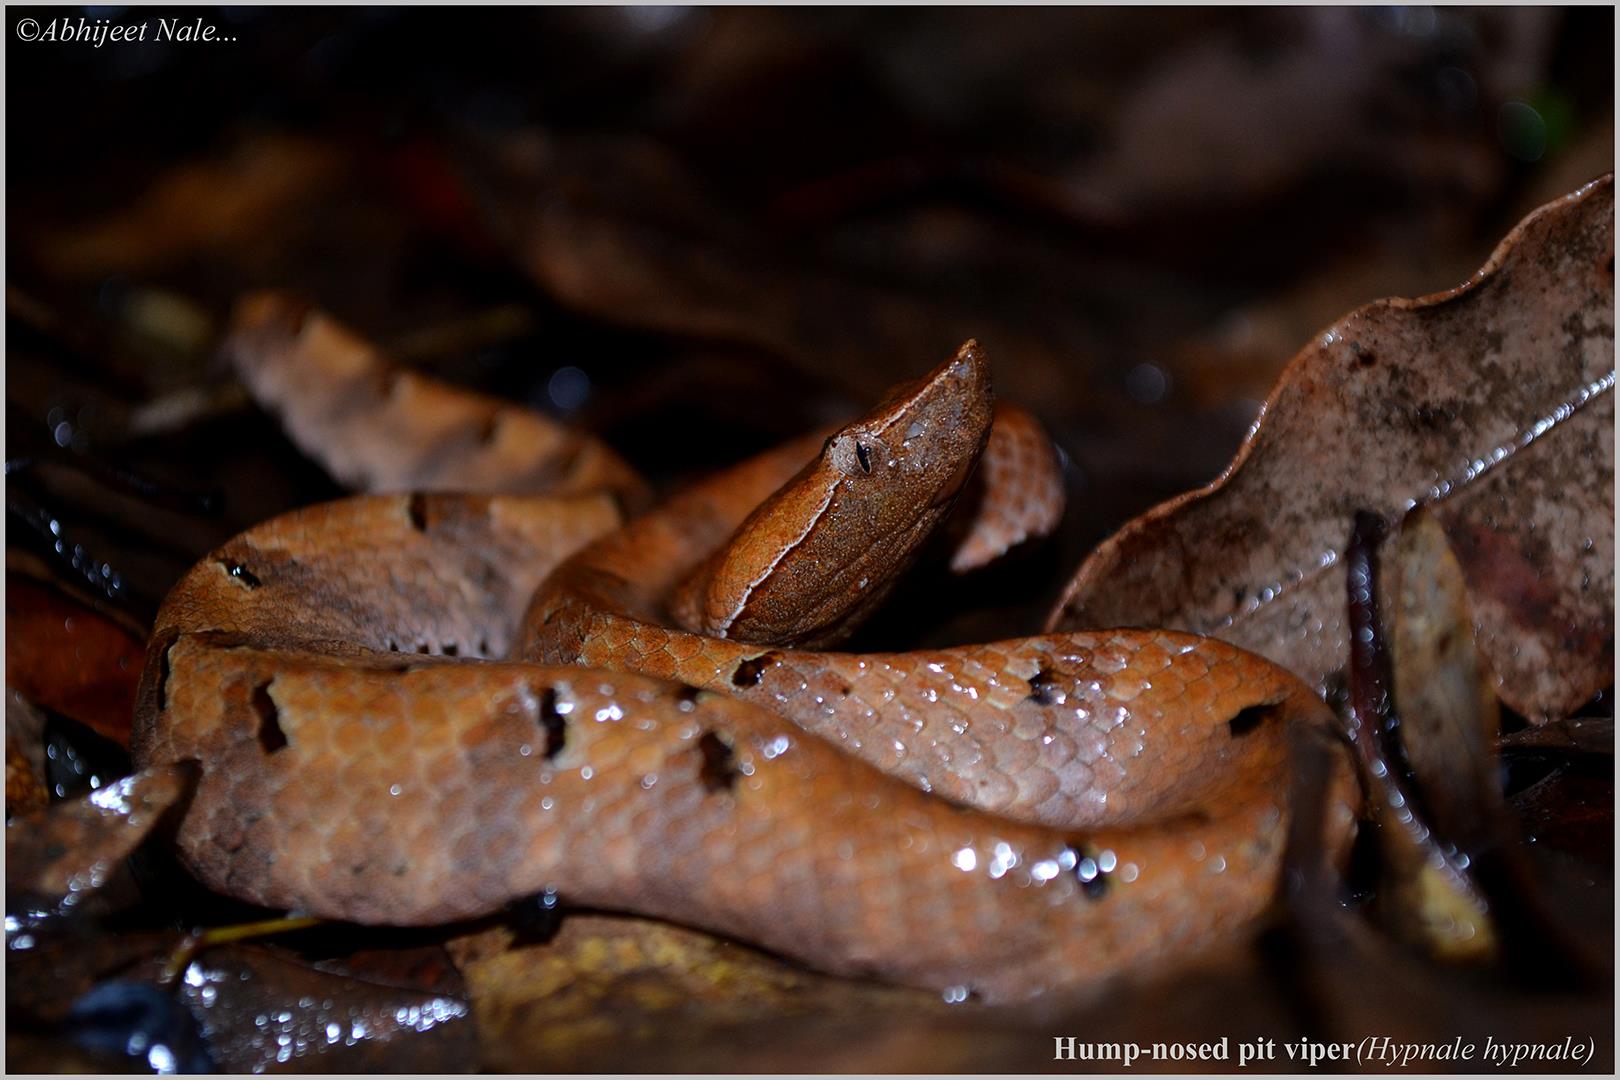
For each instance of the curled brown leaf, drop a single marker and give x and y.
(379, 427)
(68, 851)
(1491, 402)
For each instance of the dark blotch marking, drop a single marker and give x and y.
(1044, 689)
(418, 512)
(241, 573)
(486, 430)
(393, 646)
(864, 456)
(1364, 356)
(450, 648)
(1249, 718)
(163, 674)
(271, 737)
(1096, 888)
(687, 694)
(751, 671)
(719, 771)
(554, 723)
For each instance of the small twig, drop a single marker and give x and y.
(198, 940)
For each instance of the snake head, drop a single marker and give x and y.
(816, 557)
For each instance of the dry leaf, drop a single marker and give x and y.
(70, 659)
(379, 427)
(1583, 734)
(71, 849)
(262, 1012)
(210, 205)
(26, 789)
(1449, 714)
(1492, 402)
(616, 993)
(620, 230)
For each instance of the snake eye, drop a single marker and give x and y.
(853, 454)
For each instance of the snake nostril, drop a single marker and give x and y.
(1250, 718)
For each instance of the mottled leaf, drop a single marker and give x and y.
(1492, 402)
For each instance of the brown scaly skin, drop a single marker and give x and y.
(440, 796)
(1087, 728)
(344, 779)
(820, 553)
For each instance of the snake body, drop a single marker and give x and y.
(1002, 819)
